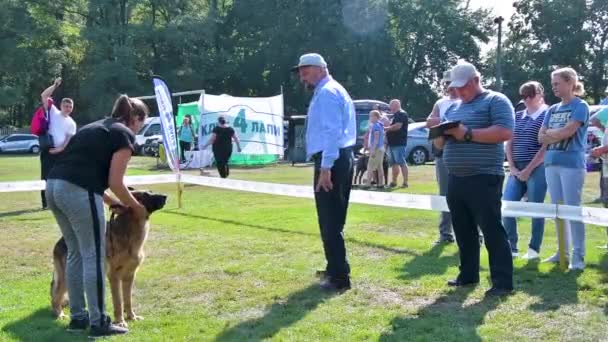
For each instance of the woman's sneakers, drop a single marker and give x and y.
(577, 263)
(554, 259)
(106, 328)
(530, 255)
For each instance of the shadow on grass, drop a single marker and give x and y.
(40, 326)
(430, 262)
(20, 212)
(446, 319)
(553, 289)
(279, 315)
(294, 232)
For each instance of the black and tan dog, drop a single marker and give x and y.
(125, 238)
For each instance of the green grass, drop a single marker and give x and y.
(234, 266)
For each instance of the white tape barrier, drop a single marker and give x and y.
(130, 180)
(596, 216)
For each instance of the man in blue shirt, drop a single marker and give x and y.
(330, 135)
(474, 155)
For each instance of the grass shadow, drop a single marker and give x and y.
(279, 315)
(294, 232)
(446, 319)
(430, 262)
(603, 266)
(40, 326)
(553, 289)
(20, 212)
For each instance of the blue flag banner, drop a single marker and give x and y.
(165, 111)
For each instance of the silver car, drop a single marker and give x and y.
(419, 147)
(20, 143)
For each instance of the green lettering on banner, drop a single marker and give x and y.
(241, 121)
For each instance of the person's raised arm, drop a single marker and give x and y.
(46, 94)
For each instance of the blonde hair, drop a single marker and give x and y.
(375, 113)
(569, 75)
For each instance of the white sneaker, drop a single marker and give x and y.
(553, 259)
(577, 263)
(531, 255)
(514, 254)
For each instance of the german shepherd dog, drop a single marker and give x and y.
(125, 238)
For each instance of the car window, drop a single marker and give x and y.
(153, 130)
(12, 138)
(143, 129)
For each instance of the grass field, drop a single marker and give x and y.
(233, 266)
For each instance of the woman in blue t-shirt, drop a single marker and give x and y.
(526, 170)
(186, 136)
(564, 132)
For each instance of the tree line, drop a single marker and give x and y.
(377, 49)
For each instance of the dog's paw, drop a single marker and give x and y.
(133, 317)
(122, 324)
(60, 315)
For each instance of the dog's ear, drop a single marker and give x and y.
(118, 209)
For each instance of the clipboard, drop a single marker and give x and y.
(438, 130)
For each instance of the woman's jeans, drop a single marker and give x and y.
(566, 187)
(515, 189)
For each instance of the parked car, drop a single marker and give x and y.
(150, 129)
(419, 147)
(20, 143)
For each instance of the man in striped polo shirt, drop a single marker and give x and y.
(474, 155)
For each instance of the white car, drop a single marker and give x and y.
(151, 129)
(23, 143)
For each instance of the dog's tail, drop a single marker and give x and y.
(58, 282)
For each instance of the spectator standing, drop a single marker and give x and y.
(527, 172)
(565, 132)
(446, 233)
(376, 150)
(396, 136)
(473, 153)
(186, 136)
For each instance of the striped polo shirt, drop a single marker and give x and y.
(525, 143)
(489, 108)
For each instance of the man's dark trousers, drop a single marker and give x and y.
(476, 201)
(332, 207)
(47, 160)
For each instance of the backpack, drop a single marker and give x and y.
(41, 120)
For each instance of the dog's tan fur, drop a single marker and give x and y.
(125, 239)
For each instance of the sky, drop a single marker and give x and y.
(502, 8)
(499, 7)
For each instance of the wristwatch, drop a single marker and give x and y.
(468, 136)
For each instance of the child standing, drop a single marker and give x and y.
(376, 149)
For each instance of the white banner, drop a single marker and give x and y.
(165, 112)
(257, 121)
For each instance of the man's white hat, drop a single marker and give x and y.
(462, 73)
(311, 59)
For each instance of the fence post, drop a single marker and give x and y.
(561, 237)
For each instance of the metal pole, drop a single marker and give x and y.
(499, 21)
